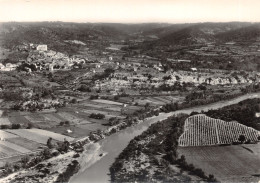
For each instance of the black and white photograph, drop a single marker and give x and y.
(129, 91)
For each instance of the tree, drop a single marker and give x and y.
(49, 143)
(29, 125)
(84, 88)
(211, 178)
(241, 138)
(25, 160)
(147, 105)
(66, 145)
(74, 101)
(8, 167)
(46, 153)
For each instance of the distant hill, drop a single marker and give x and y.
(245, 34)
(186, 34)
(141, 28)
(55, 33)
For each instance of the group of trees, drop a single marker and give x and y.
(113, 121)
(84, 88)
(104, 75)
(97, 116)
(12, 126)
(244, 112)
(60, 146)
(66, 123)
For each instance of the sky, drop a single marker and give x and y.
(130, 11)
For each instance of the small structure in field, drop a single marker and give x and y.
(69, 131)
(257, 114)
(194, 69)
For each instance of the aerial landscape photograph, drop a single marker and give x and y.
(129, 91)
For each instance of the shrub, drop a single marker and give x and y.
(116, 97)
(30, 125)
(76, 155)
(73, 101)
(55, 153)
(92, 97)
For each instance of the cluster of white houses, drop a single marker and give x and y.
(120, 80)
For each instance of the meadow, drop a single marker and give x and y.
(235, 163)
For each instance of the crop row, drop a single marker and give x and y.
(200, 130)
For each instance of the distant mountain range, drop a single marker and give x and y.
(54, 33)
(209, 32)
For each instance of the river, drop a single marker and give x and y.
(97, 171)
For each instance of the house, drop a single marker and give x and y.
(257, 114)
(42, 47)
(68, 131)
(1, 66)
(194, 69)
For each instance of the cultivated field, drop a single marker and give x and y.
(107, 102)
(14, 146)
(4, 121)
(6, 135)
(19, 142)
(155, 101)
(236, 163)
(200, 130)
(77, 131)
(38, 135)
(28, 144)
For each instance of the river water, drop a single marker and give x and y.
(112, 146)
